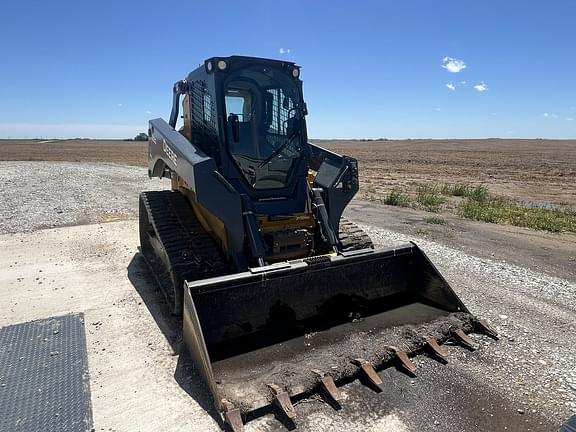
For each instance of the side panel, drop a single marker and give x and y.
(170, 151)
(194, 340)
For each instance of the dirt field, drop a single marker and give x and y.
(120, 152)
(539, 171)
(527, 170)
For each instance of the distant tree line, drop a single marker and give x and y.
(142, 136)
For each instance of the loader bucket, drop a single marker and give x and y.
(282, 330)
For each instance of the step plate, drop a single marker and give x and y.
(44, 382)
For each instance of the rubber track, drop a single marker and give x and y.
(191, 252)
(353, 237)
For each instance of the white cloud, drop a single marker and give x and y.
(482, 87)
(437, 109)
(148, 112)
(550, 115)
(284, 50)
(463, 83)
(453, 65)
(569, 119)
(451, 86)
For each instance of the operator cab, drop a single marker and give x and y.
(264, 127)
(248, 114)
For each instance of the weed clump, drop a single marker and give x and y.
(504, 211)
(434, 220)
(479, 194)
(430, 197)
(457, 189)
(397, 198)
(479, 204)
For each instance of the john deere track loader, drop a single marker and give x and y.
(280, 295)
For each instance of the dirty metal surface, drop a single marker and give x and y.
(244, 379)
(44, 376)
(570, 425)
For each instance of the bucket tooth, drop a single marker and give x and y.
(463, 339)
(232, 416)
(486, 328)
(436, 349)
(328, 384)
(404, 360)
(369, 371)
(282, 401)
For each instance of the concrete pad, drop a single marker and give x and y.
(132, 364)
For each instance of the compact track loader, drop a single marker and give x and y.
(280, 296)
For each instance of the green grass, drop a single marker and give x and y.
(435, 220)
(504, 211)
(397, 198)
(479, 194)
(427, 197)
(430, 197)
(457, 189)
(480, 205)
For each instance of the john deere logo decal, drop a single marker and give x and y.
(169, 152)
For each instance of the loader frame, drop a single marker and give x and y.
(171, 155)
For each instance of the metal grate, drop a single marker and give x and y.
(44, 382)
(281, 106)
(204, 132)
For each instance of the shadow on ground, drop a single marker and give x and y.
(171, 326)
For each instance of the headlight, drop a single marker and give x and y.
(222, 65)
(209, 66)
(295, 72)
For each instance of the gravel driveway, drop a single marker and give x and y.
(39, 195)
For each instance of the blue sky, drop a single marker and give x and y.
(370, 68)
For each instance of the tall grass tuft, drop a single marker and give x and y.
(435, 220)
(479, 194)
(456, 189)
(397, 198)
(430, 197)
